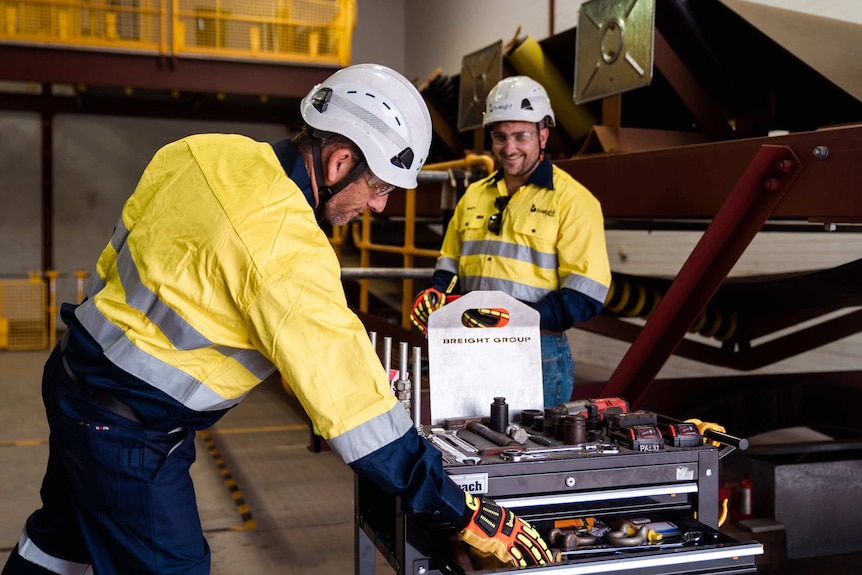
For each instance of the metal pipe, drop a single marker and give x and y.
(387, 356)
(386, 273)
(432, 176)
(402, 364)
(417, 388)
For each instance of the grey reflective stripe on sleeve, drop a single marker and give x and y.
(28, 550)
(122, 353)
(447, 265)
(118, 238)
(586, 286)
(176, 329)
(518, 252)
(372, 435)
(515, 289)
(93, 285)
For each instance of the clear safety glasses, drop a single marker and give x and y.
(500, 138)
(379, 187)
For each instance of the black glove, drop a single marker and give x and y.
(495, 531)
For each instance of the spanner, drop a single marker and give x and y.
(452, 436)
(444, 445)
(514, 455)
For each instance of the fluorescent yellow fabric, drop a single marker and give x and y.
(227, 242)
(549, 239)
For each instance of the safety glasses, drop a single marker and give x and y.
(500, 138)
(379, 187)
(495, 221)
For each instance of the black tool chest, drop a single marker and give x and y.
(675, 486)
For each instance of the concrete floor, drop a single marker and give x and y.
(292, 509)
(267, 502)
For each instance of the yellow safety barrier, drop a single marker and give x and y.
(23, 314)
(302, 31)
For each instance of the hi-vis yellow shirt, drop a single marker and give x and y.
(217, 274)
(552, 237)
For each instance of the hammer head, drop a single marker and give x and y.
(459, 423)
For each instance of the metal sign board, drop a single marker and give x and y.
(614, 47)
(480, 71)
(469, 367)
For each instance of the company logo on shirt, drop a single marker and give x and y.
(549, 213)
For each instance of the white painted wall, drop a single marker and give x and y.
(20, 195)
(846, 10)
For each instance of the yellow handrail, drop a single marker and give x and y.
(362, 236)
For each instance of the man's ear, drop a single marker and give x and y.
(544, 134)
(339, 164)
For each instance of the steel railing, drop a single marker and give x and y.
(301, 31)
(361, 232)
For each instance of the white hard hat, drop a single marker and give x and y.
(381, 112)
(517, 99)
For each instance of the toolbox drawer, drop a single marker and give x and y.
(679, 486)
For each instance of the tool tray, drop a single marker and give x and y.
(679, 485)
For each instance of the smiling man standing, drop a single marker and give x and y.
(529, 230)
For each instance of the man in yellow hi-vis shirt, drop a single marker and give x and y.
(529, 230)
(216, 275)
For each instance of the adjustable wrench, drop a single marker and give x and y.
(444, 445)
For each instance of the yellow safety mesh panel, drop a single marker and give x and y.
(124, 24)
(303, 31)
(23, 317)
(314, 31)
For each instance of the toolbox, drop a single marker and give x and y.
(609, 490)
(674, 487)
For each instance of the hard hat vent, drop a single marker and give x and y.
(404, 159)
(320, 99)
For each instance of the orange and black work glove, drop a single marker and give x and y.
(495, 531)
(485, 317)
(428, 300)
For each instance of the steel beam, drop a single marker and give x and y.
(152, 71)
(763, 185)
(693, 181)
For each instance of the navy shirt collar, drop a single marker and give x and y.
(291, 160)
(542, 176)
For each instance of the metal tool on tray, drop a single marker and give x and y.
(447, 447)
(532, 454)
(452, 436)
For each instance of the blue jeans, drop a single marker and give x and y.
(558, 370)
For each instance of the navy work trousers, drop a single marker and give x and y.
(117, 498)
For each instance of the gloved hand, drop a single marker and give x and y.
(485, 317)
(428, 300)
(496, 531)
